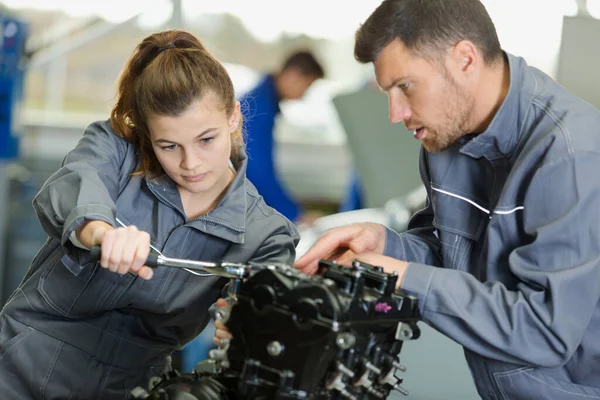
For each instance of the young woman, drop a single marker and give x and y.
(166, 172)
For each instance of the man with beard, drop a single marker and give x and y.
(505, 257)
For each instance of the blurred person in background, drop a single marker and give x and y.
(505, 257)
(260, 107)
(166, 172)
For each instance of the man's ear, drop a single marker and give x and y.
(466, 55)
(236, 116)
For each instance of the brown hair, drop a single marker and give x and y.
(165, 74)
(305, 62)
(427, 27)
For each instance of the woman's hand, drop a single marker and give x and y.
(221, 332)
(123, 249)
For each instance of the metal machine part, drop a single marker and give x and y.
(334, 335)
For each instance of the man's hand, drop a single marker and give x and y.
(343, 243)
(221, 331)
(389, 264)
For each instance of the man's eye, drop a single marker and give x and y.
(404, 85)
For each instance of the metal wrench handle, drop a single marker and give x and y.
(154, 260)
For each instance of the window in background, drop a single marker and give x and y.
(250, 36)
(593, 7)
(531, 28)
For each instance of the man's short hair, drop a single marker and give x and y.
(305, 62)
(428, 28)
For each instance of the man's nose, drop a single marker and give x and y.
(399, 111)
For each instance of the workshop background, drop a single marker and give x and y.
(60, 60)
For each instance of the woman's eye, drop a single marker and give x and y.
(404, 85)
(207, 140)
(169, 148)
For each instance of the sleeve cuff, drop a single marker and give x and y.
(77, 255)
(393, 245)
(417, 282)
(86, 213)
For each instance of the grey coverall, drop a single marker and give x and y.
(74, 330)
(505, 258)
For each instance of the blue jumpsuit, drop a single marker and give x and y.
(260, 107)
